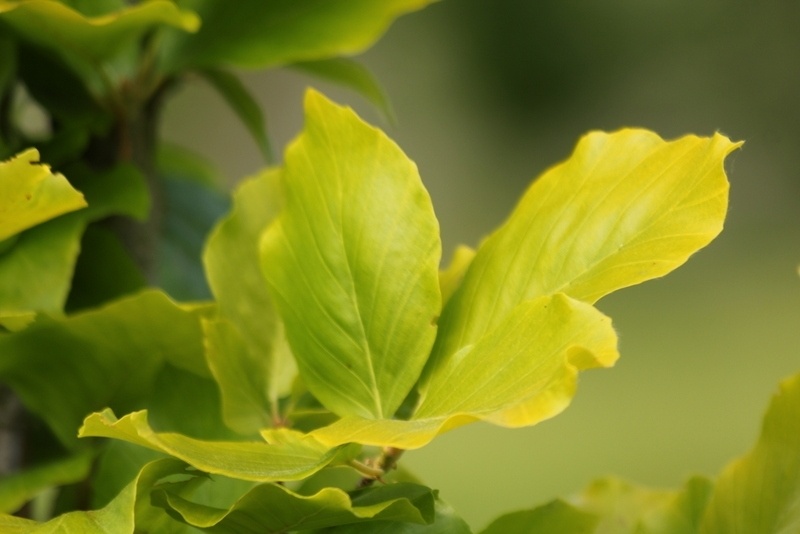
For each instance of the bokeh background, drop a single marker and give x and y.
(487, 95)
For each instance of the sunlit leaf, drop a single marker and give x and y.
(352, 263)
(18, 488)
(248, 341)
(557, 517)
(247, 108)
(624, 208)
(56, 26)
(286, 455)
(270, 508)
(352, 75)
(524, 371)
(31, 194)
(258, 34)
(65, 369)
(760, 492)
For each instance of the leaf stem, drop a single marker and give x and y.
(383, 464)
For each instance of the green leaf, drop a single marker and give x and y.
(129, 509)
(243, 104)
(445, 521)
(759, 492)
(18, 488)
(32, 194)
(352, 263)
(270, 508)
(64, 369)
(557, 517)
(629, 509)
(247, 350)
(55, 26)
(353, 75)
(521, 373)
(36, 271)
(257, 34)
(284, 455)
(16, 525)
(624, 208)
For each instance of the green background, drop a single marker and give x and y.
(487, 95)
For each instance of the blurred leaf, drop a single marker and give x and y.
(258, 34)
(248, 340)
(522, 372)
(18, 488)
(270, 508)
(352, 263)
(760, 491)
(175, 162)
(451, 277)
(70, 100)
(243, 104)
(191, 210)
(55, 26)
(8, 62)
(16, 525)
(556, 517)
(104, 271)
(36, 271)
(32, 194)
(353, 75)
(285, 455)
(445, 521)
(65, 369)
(624, 208)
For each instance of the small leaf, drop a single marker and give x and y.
(32, 194)
(290, 456)
(450, 278)
(243, 104)
(258, 34)
(249, 338)
(353, 75)
(270, 508)
(18, 488)
(352, 263)
(521, 373)
(624, 208)
(557, 517)
(759, 492)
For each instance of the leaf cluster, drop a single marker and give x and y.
(273, 378)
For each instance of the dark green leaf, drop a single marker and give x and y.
(243, 104)
(557, 517)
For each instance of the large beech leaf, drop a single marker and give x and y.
(624, 208)
(760, 492)
(56, 26)
(352, 263)
(247, 351)
(522, 372)
(284, 455)
(64, 369)
(270, 508)
(31, 194)
(258, 34)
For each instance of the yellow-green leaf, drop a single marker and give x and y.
(31, 194)
(760, 492)
(289, 455)
(624, 208)
(352, 263)
(521, 373)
